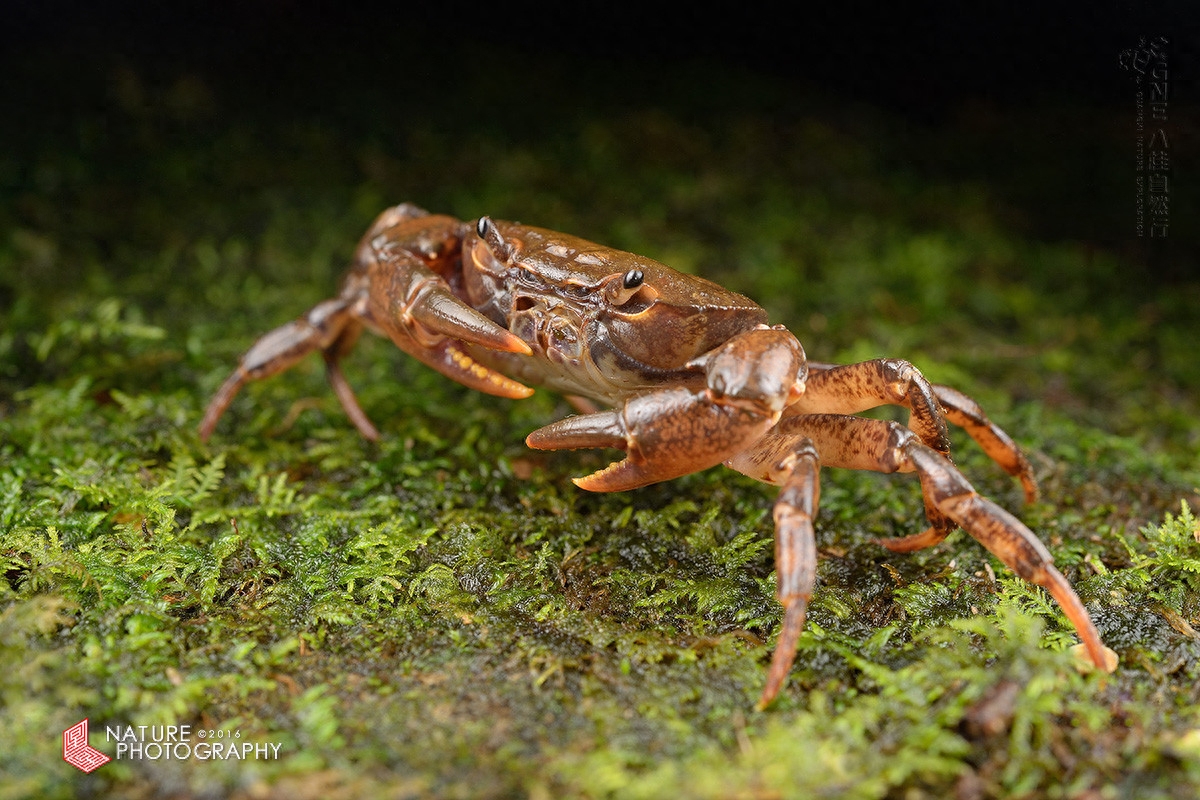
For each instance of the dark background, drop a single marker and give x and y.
(922, 60)
(374, 69)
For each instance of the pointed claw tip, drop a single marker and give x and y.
(794, 616)
(618, 476)
(459, 365)
(770, 692)
(208, 425)
(896, 545)
(601, 480)
(519, 345)
(917, 541)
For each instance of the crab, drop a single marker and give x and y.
(676, 371)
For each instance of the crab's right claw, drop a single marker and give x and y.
(409, 291)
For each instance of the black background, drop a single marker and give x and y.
(505, 66)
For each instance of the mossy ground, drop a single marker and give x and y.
(443, 613)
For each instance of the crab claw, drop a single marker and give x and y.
(673, 432)
(432, 312)
(404, 292)
(415, 308)
(665, 435)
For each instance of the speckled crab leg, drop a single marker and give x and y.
(857, 387)
(964, 412)
(866, 444)
(851, 388)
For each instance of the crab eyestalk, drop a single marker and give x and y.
(620, 289)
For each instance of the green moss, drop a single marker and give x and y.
(411, 617)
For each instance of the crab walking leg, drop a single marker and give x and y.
(857, 443)
(341, 388)
(1008, 539)
(320, 329)
(652, 423)
(957, 407)
(789, 460)
(795, 557)
(851, 388)
(964, 412)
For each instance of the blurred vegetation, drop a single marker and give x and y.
(443, 613)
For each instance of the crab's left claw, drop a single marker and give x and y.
(664, 434)
(674, 432)
(415, 308)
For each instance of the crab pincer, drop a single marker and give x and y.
(667, 433)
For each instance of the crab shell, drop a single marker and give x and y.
(600, 323)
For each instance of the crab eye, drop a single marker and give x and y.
(492, 239)
(621, 289)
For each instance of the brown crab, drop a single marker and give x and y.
(690, 373)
